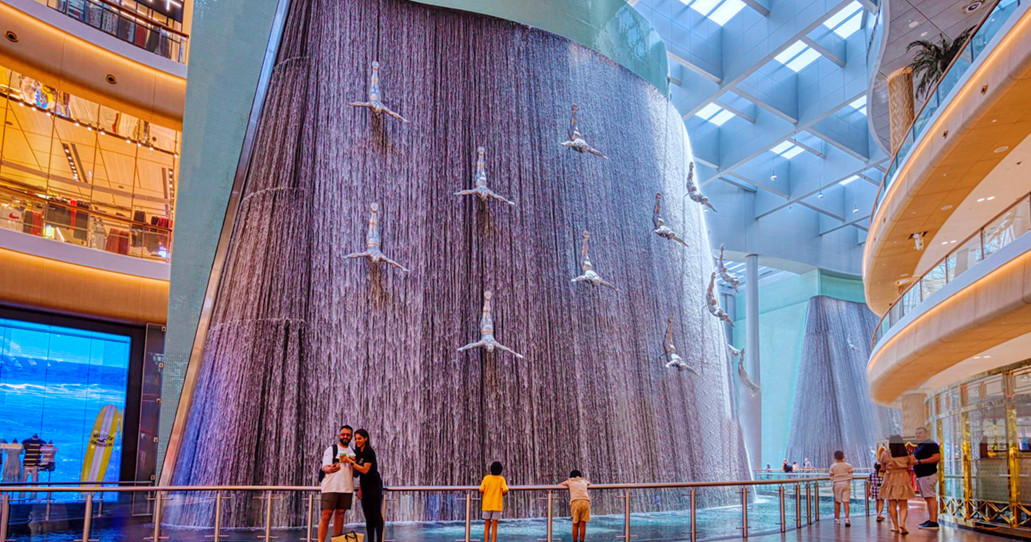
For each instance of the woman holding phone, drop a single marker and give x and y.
(370, 488)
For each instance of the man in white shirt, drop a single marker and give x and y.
(337, 485)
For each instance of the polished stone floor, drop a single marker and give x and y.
(866, 529)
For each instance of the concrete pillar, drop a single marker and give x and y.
(751, 405)
(914, 412)
(900, 105)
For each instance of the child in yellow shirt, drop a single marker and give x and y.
(493, 488)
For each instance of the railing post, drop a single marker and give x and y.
(87, 519)
(744, 511)
(468, 516)
(217, 536)
(158, 511)
(311, 509)
(551, 502)
(268, 517)
(50, 500)
(866, 495)
(816, 501)
(5, 515)
(808, 504)
(783, 518)
(626, 515)
(798, 506)
(694, 524)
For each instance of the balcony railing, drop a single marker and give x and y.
(966, 59)
(770, 506)
(1002, 230)
(124, 24)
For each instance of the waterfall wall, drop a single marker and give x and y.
(833, 410)
(302, 340)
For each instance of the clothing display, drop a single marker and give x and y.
(118, 241)
(11, 218)
(33, 223)
(12, 462)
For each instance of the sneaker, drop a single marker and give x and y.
(929, 525)
(837, 521)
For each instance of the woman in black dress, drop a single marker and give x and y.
(370, 488)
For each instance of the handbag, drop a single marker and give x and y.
(349, 537)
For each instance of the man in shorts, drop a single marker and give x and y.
(927, 455)
(840, 474)
(337, 485)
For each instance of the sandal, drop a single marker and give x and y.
(880, 518)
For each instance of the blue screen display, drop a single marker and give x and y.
(54, 381)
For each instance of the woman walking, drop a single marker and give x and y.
(896, 489)
(370, 487)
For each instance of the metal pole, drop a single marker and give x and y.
(217, 537)
(311, 509)
(808, 504)
(694, 524)
(744, 512)
(50, 499)
(468, 516)
(551, 502)
(268, 517)
(158, 511)
(626, 515)
(866, 495)
(816, 501)
(87, 519)
(5, 516)
(783, 518)
(798, 506)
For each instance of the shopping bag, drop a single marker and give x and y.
(349, 537)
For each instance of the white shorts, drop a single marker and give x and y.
(928, 486)
(842, 491)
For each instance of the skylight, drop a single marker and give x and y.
(847, 21)
(859, 104)
(714, 114)
(787, 149)
(797, 56)
(718, 11)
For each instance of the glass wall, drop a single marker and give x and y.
(984, 426)
(80, 172)
(61, 385)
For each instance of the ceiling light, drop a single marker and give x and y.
(773, 177)
(1003, 148)
(953, 241)
(855, 210)
(989, 198)
(820, 195)
(946, 208)
(987, 357)
(979, 200)
(945, 242)
(914, 23)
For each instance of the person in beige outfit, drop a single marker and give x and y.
(579, 504)
(896, 489)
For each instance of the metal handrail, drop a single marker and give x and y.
(934, 90)
(880, 330)
(176, 37)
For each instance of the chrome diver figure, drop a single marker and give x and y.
(740, 355)
(673, 360)
(713, 304)
(481, 189)
(576, 139)
(692, 189)
(724, 274)
(661, 229)
(589, 275)
(373, 241)
(487, 340)
(375, 103)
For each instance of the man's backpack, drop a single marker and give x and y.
(322, 473)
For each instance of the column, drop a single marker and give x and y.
(751, 406)
(914, 412)
(900, 105)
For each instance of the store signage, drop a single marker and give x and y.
(171, 8)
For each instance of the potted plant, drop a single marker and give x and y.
(933, 58)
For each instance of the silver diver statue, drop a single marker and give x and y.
(375, 103)
(692, 189)
(740, 355)
(481, 189)
(661, 229)
(373, 241)
(576, 139)
(722, 268)
(713, 304)
(589, 275)
(673, 360)
(487, 339)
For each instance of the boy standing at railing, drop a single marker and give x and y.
(579, 504)
(841, 475)
(493, 488)
(874, 490)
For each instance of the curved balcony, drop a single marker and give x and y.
(131, 27)
(973, 115)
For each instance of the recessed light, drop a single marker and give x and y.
(914, 23)
(987, 357)
(953, 241)
(1003, 148)
(989, 198)
(977, 357)
(972, 7)
(945, 242)
(979, 200)
(904, 275)
(946, 208)
(11, 36)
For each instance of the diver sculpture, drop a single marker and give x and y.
(373, 241)
(481, 189)
(487, 340)
(692, 189)
(722, 268)
(661, 229)
(673, 360)
(589, 275)
(576, 139)
(740, 356)
(713, 304)
(375, 103)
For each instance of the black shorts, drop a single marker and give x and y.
(336, 501)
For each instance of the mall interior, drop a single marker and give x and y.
(690, 248)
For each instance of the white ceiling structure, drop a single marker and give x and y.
(773, 96)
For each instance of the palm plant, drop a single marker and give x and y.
(933, 58)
